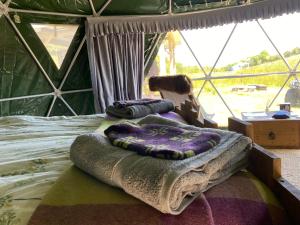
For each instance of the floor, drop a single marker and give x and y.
(290, 164)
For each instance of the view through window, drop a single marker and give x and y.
(246, 67)
(56, 38)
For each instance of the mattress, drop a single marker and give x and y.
(34, 153)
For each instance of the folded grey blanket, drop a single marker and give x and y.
(138, 110)
(126, 103)
(167, 185)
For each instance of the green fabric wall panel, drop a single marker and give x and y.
(40, 52)
(40, 18)
(31, 106)
(60, 109)
(133, 7)
(81, 103)
(66, 6)
(79, 77)
(19, 73)
(180, 6)
(83, 6)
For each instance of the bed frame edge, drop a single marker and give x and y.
(289, 197)
(267, 167)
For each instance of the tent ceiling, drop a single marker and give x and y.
(121, 7)
(83, 6)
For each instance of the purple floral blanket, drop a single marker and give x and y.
(161, 141)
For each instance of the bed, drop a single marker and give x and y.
(35, 153)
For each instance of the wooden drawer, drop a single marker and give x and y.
(276, 133)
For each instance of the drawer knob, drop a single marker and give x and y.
(271, 135)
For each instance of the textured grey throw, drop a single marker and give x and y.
(167, 185)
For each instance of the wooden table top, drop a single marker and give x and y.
(266, 116)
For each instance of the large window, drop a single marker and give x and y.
(247, 67)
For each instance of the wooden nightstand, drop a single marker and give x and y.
(269, 132)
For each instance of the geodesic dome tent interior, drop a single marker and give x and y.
(60, 59)
(38, 80)
(30, 79)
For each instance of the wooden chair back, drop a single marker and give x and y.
(179, 90)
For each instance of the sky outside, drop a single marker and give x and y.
(247, 40)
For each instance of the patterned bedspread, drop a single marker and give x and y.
(34, 151)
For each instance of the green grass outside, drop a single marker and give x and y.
(272, 80)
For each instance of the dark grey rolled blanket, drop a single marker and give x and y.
(140, 110)
(144, 101)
